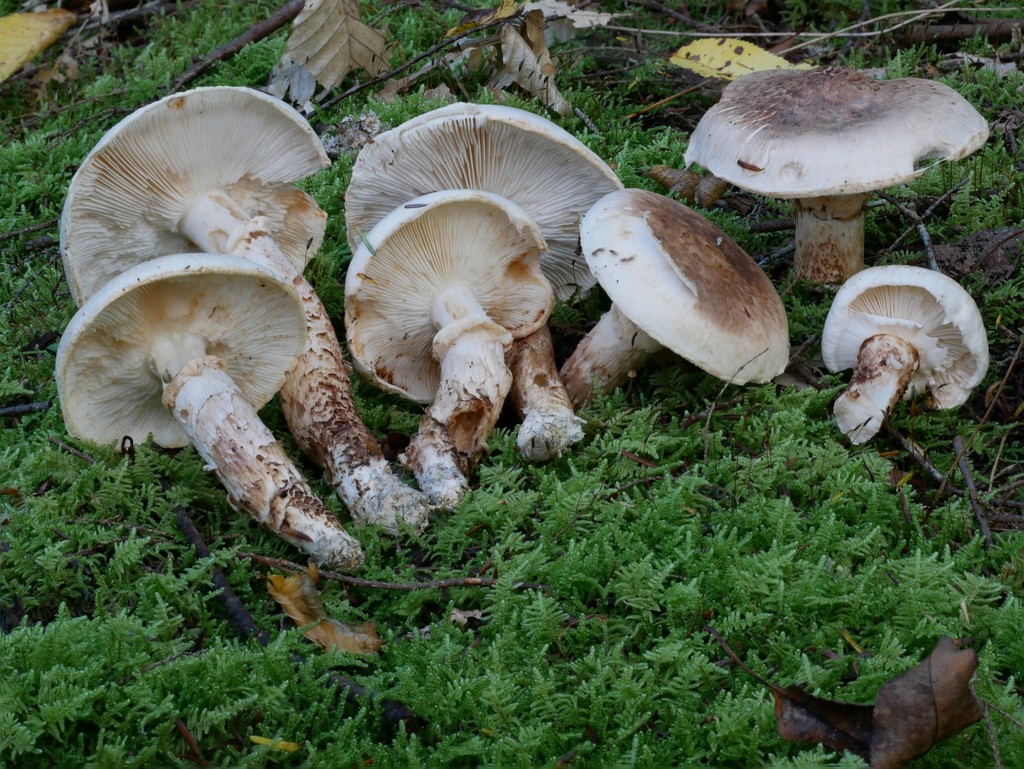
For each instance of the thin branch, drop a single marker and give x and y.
(238, 615)
(24, 408)
(284, 15)
(374, 584)
(448, 41)
(972, 491)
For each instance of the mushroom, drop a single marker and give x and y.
(826, 138)
(903, 330)
(186, 348)
(211, 170)
(433, 299)
(524, 158)
(675, 281)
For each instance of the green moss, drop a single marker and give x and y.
(830, 566)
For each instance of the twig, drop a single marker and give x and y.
(238, 615)
(705, 414)
(11, 234)
(927, 213)
(70, 449)
(395, 712)
(23, 408)
(972, 491)
(256, 32)
(992, 741)
(909, 210)
(667, 99)
(281, 563)
(448, 41)
(999, 31)
(991, 405)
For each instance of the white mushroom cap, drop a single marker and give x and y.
(446, 241)
(140, 180)
(687, 284)
(224, 306)
(831, 131)
(511, 152)
(930, 311)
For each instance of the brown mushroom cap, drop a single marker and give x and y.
(831, 131)
(687, 284)
(126, 201)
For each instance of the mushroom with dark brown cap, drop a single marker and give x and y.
(524, 158)
(826, 138)
(433, 299)
(675, 281)
(211, 170)
(903, 330)
(186, 348)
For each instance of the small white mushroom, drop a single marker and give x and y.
(211, 170)
(187, 348)
(433, 299)
(826, 138)
(903, 330)
(524, 158)
(676, 281)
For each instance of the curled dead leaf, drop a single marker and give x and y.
(300, 600)
(913, 711)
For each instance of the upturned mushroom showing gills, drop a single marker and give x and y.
(186, 348)
(903, 330)
(211, 170)
(676, 281)
(826, 138)
(524, 158)
(433, 299)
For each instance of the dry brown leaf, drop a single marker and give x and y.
(481, 16)
(329, 39)
(25, 35)
(525, 60)
(300, 599)
(912, 712)
(577, 17)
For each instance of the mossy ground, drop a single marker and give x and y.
(824, 565)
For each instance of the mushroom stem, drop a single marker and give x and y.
(316, 395)
(260, 479)
(549, 424)
(829, 237)
(886, 364)
(474, 384)
(605, 356)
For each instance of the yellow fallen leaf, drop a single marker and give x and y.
(291, 747)
(728, 58)
(482, 16)
(25, 35)
(300, 600)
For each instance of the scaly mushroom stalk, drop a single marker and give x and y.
(605, 356)
(829, 237)
(185, 349)
(886, 364)
(213, 167)
(903, 330)
(316, 394)
(474, 383)
(549, 424)
(251, 464)
(434, 296)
